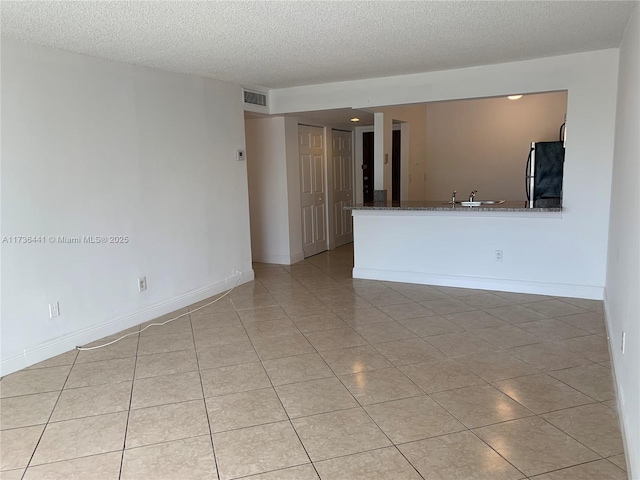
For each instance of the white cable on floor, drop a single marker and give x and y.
(83, 349)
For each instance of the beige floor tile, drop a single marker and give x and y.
(593, 380)
(542, 393)
(365, 316)
(148, 392)
(335, 338)
(548, 356)
(355, 359)
(409, 351)
(234, 379)
(429, 326)
(262, 314)
(258, 449)
(26, 411)
(96, 467)
(380, 386)
(507, 336)
(17, 446)
(222, 335)
(297, 369)
(226, 355)
(592, 322)
(474, 320)
(382, 464)
(619, 461)
(464, 343)
(552, 329)
(179, 325)
(166, 423)
(166, 364)
(384, 299)
(486, 300)
(515, 314)
(411, 419)
(457, 456)
(406, 311)
(494, 366)
(585, 303)
(213, 320)
(304, 308)
(593, 347)
(440, 375)
(480, 405)
(13, 474)
(335, 434)
(534, 446)
(66, 358)
(81, 437)
(244, 409)
(522, 297)
(344, 305)
(95, 400)
(384, 332)
(554, 308)
(301, 472)
(321, 321)
(446, 305)
(221, 304)
(595, 426)
(171, 342)
(271, 329)
(125, 348)
(285, 346)
(459, 292)
(598, 470)
(187, 459)
(253, 301)
(103, 372)
(28, 382)
(315, 396)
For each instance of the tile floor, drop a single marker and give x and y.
(306, 373)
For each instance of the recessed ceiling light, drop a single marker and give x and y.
(355, 119)
(514, 97)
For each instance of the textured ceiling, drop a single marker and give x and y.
(282, 44)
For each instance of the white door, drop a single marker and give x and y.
(312, 190)
(342, 164)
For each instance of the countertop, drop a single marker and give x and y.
(443, 206)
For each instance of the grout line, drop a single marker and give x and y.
(126, 429)
(204, 401)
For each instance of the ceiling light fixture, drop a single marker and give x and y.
(514, 97)
(355, 119)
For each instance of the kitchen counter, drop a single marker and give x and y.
(443, 206)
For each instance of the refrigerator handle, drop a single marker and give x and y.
(527, 176)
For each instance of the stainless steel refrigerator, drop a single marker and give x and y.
(543, 181)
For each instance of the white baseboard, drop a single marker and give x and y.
(278, 259)
(623, 418)
(37, 353)
(482, 283)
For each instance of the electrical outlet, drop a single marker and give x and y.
(142, 284)
(54, 310)
(499, 255)
(623, 342)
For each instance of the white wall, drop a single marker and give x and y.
(622, 301)
(413, 168)
(94, 147)
(574, 250)
(483, 144)
(268, 201)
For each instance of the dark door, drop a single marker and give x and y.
(367, 167)
(395, 166)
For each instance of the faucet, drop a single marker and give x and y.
(472, 195)
(453, 198)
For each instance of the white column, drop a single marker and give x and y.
(378, 151)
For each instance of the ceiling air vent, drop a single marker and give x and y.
(255, 98)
